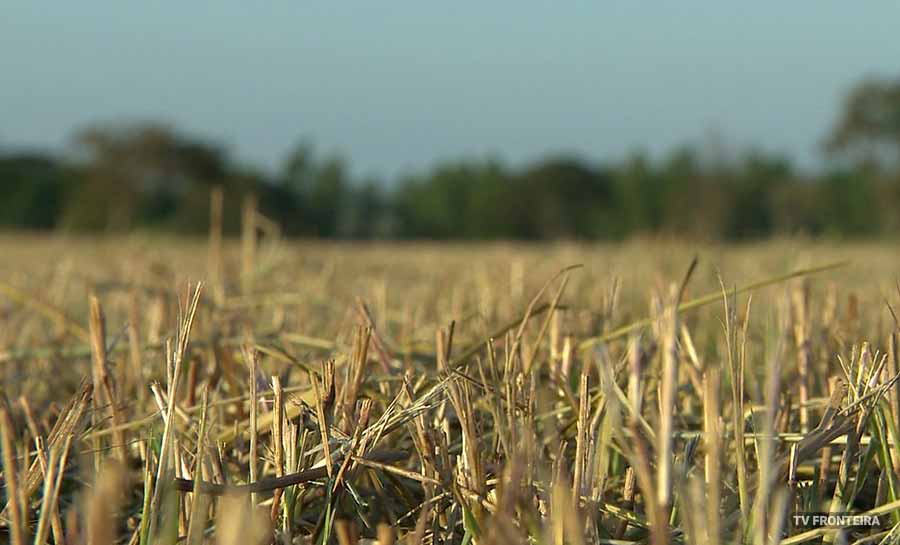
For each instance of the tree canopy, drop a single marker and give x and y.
(152, 176)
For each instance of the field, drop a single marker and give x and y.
(314, 392)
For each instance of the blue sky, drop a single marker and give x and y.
(395, 86)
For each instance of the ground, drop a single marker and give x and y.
(500, 392)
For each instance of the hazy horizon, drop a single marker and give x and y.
(399, 87)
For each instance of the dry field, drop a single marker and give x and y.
(310, 392)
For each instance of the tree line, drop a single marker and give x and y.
(150, 176)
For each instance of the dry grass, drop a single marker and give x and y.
(316, 393)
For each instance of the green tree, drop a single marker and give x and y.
(565, 198)
(321, 190)
(142, 174)
(848, 204)
(759, 178)
(34, 189)
(868, 126)
(463, 199)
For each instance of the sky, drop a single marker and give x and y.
(398, 86)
